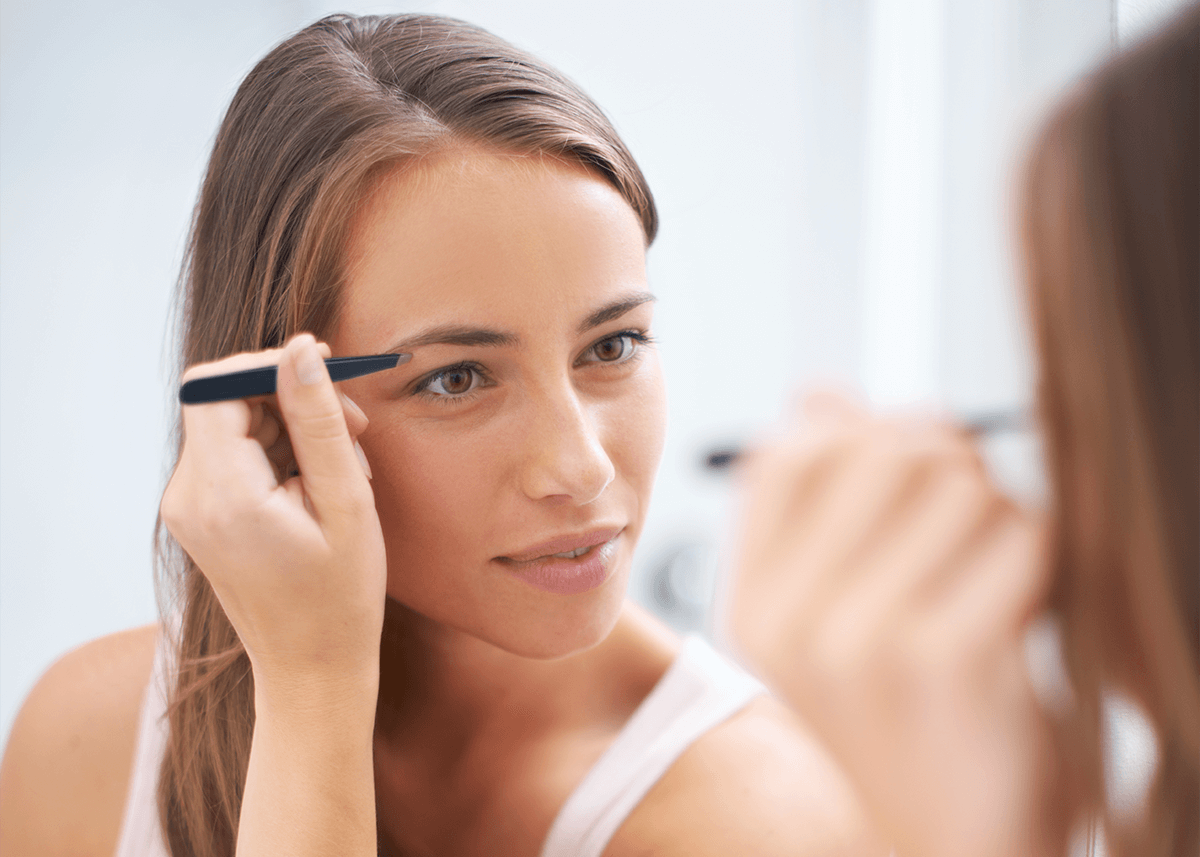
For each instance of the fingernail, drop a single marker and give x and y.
(353, 406)
(310, 369)
(362, 457)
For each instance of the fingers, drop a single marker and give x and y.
(266, 424)
(356, 424)
(356, 420)
(855, 516)
(267, 428)
(1007, 581)
(934, 534)
(882, 587)
(833, 488)
(316, 420)
(781, 485)
(218, 420)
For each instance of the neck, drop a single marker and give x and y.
(457, 716)
(432, 673)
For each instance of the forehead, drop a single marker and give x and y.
(473, 237)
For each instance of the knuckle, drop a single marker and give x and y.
(176, 504)
(169, 508)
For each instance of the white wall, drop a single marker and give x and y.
(755, 126)
(105, 115)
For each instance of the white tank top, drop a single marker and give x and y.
(141, 835)
(699, 691)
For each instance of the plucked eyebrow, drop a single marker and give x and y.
(454, 334)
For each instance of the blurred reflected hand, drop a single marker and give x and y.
(882, 587)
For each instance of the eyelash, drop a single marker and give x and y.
(422, 386)
(640, 337)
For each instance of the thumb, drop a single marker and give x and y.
(316, 425)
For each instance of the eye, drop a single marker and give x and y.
(616, 348)
(451, 382)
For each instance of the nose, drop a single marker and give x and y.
(566, 456)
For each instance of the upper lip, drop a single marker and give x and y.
(562, 544)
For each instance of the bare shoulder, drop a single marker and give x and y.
(67, 763)
(760, 783)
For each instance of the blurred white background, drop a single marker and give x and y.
(833, 180)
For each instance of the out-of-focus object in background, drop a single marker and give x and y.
(887, 588)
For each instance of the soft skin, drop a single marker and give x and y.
(884, 586)
(563, 429)
(543, 433)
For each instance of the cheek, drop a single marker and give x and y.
(636, 429)
(428, 491)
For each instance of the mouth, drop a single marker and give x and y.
(572, 554)
(568, 565)
(564, 547)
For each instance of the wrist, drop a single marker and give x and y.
(310, 779)
(346, 696)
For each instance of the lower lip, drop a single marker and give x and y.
(566, 576)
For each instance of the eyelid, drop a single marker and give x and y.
(640, 336)
(422, 383)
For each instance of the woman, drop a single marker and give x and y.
(402, 622)
(886, 585)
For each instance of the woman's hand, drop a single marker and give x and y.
(294, 552)
(281, 519)
(882, 588)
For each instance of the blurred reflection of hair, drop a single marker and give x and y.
(1111, 233)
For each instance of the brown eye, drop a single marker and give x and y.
(458, 381)
(613, 349)
(454, 381)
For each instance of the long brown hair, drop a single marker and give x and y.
(309, 128)
(1112, 243)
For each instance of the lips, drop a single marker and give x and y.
(567, 565)
(563, 544)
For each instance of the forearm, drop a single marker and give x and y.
(310, 785)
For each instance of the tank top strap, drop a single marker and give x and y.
(699, 691)
(141, 834)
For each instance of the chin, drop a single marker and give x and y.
(570, 630)
(517, 617)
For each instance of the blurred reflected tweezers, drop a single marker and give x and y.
(977, 425)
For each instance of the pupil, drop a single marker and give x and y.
(611, 349)
(457, 381)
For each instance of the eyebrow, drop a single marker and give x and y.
(457, 334)
(616, 309)
(454, 334)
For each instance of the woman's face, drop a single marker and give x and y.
(529, 421)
